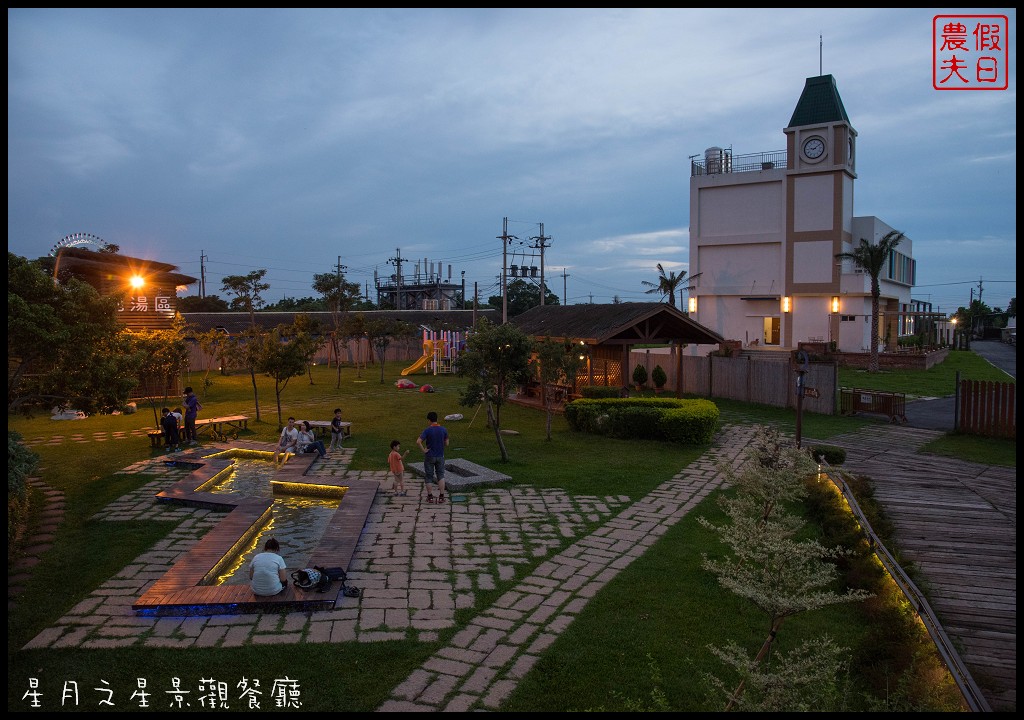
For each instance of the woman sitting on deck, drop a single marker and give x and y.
(267, 570)
(308, 442)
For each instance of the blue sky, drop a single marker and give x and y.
(283, 139)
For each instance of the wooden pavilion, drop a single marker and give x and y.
(607, 333)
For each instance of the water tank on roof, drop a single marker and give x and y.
(713, 160)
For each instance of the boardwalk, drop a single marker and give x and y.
(957, 522)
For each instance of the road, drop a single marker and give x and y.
(938, 413)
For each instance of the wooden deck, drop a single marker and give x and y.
(182, 590)
(957, 522)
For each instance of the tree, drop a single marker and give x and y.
(310, 331)
(667, 284)
(245, 351)
(780, 575)
(283, 354)
(212, 343)
(210, 303)
(65, 347)
(340, 295)
(306, 304)
(522, 295)
(872, 259)
(247, 291)
(381, 332)
(496, 359)
(554, 362)
(164, 356)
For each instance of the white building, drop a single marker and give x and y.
(765, 229)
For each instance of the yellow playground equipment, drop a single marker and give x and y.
(438, 356)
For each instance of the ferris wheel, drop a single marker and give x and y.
(87, 241)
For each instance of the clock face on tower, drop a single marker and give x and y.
(814, 148)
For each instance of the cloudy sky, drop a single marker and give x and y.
(285, 139)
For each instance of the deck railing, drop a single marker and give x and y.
(947, 650)
(725, 162)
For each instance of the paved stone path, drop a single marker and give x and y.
(416, 564)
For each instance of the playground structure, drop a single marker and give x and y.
(440, 349)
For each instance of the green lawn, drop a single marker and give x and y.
(678, 608)
(937, 381)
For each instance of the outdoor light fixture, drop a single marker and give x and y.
(835, 304)
(137, 281)
(787, 303)
(693, 304)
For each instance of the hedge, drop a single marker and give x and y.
(670, 419)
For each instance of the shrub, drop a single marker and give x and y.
(634, 421)
(692, 425)
(21, 463)
(600, 391)
(640, 375)
(670, 419)
(833, 455)
(658, 376)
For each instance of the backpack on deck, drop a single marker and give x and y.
(310, 579)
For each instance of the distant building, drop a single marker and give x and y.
(149, 287)
(765, 229)
(425, 288)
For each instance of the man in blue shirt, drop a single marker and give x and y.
(192, 408)
(432, 442)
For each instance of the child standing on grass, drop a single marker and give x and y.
(397, 468)
(336, 430)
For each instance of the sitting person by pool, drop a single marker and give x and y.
(267, 570)
(289, 441)
(308, 442)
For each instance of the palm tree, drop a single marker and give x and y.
(667, 284)
(872, 259)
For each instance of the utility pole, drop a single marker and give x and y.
(540, 242)
(397, 262)
(505, 240)
(337, 299)
(565, 300)
(202, 274)
(463, 289)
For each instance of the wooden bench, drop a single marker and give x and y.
(220, 427)
(156, 437)
(322, 428)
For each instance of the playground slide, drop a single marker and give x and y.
(428, 355)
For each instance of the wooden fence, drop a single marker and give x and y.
(986, 408)
(745, 378)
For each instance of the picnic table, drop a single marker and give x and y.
(322, 428)
(220, 427)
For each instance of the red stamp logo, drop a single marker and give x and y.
(970, 52)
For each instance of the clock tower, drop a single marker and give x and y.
(819, 218)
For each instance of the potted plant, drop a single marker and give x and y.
(639, 377)
(659, 378)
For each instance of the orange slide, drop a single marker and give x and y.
(428, 355)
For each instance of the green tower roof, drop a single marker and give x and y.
(819, 103)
